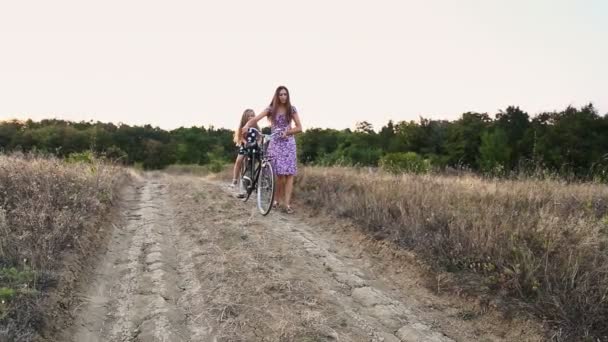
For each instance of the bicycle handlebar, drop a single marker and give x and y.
(265, 135)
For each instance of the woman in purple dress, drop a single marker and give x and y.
(282, 148)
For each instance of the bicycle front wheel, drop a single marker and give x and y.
(266, 189)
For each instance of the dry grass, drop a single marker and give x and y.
(542, 244)
(50, 211)
(188, 169)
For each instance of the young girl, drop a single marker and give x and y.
(239, 141)
(282, 149)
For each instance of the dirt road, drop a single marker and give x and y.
(188, 262)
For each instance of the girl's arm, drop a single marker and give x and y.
(298, 128)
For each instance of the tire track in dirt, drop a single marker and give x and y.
(383, 317)
(144, 279)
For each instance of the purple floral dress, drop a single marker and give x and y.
(282, 151)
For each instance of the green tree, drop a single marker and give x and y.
(464, 139)
(494, 152)
(515, 123)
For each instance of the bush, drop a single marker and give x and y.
(408, 162)
(115, 154)
(81, 157)
(216, 166)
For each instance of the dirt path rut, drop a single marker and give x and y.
(188, 262)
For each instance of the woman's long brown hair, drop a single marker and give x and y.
(274, 105)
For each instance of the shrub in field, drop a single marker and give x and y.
(216, 166)
(400, 162)
(81, 157)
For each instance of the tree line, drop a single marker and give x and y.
(151, 147)
(569, 142)
(573, 141)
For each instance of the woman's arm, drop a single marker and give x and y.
(298, 128)
(255, 120)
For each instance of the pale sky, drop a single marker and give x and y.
(183, 63)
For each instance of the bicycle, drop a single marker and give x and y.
(256, 171)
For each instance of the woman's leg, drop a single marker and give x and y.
(280, 193)
(288, 190)
(277, 190)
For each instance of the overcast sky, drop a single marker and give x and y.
(183, 63)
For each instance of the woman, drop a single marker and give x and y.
(282, 148)
(248, 114)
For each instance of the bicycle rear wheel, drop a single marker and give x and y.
(266, 189)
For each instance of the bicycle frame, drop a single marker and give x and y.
(256, 160)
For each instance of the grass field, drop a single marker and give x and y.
(540, 245)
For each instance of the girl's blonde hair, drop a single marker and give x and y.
(238, 136)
